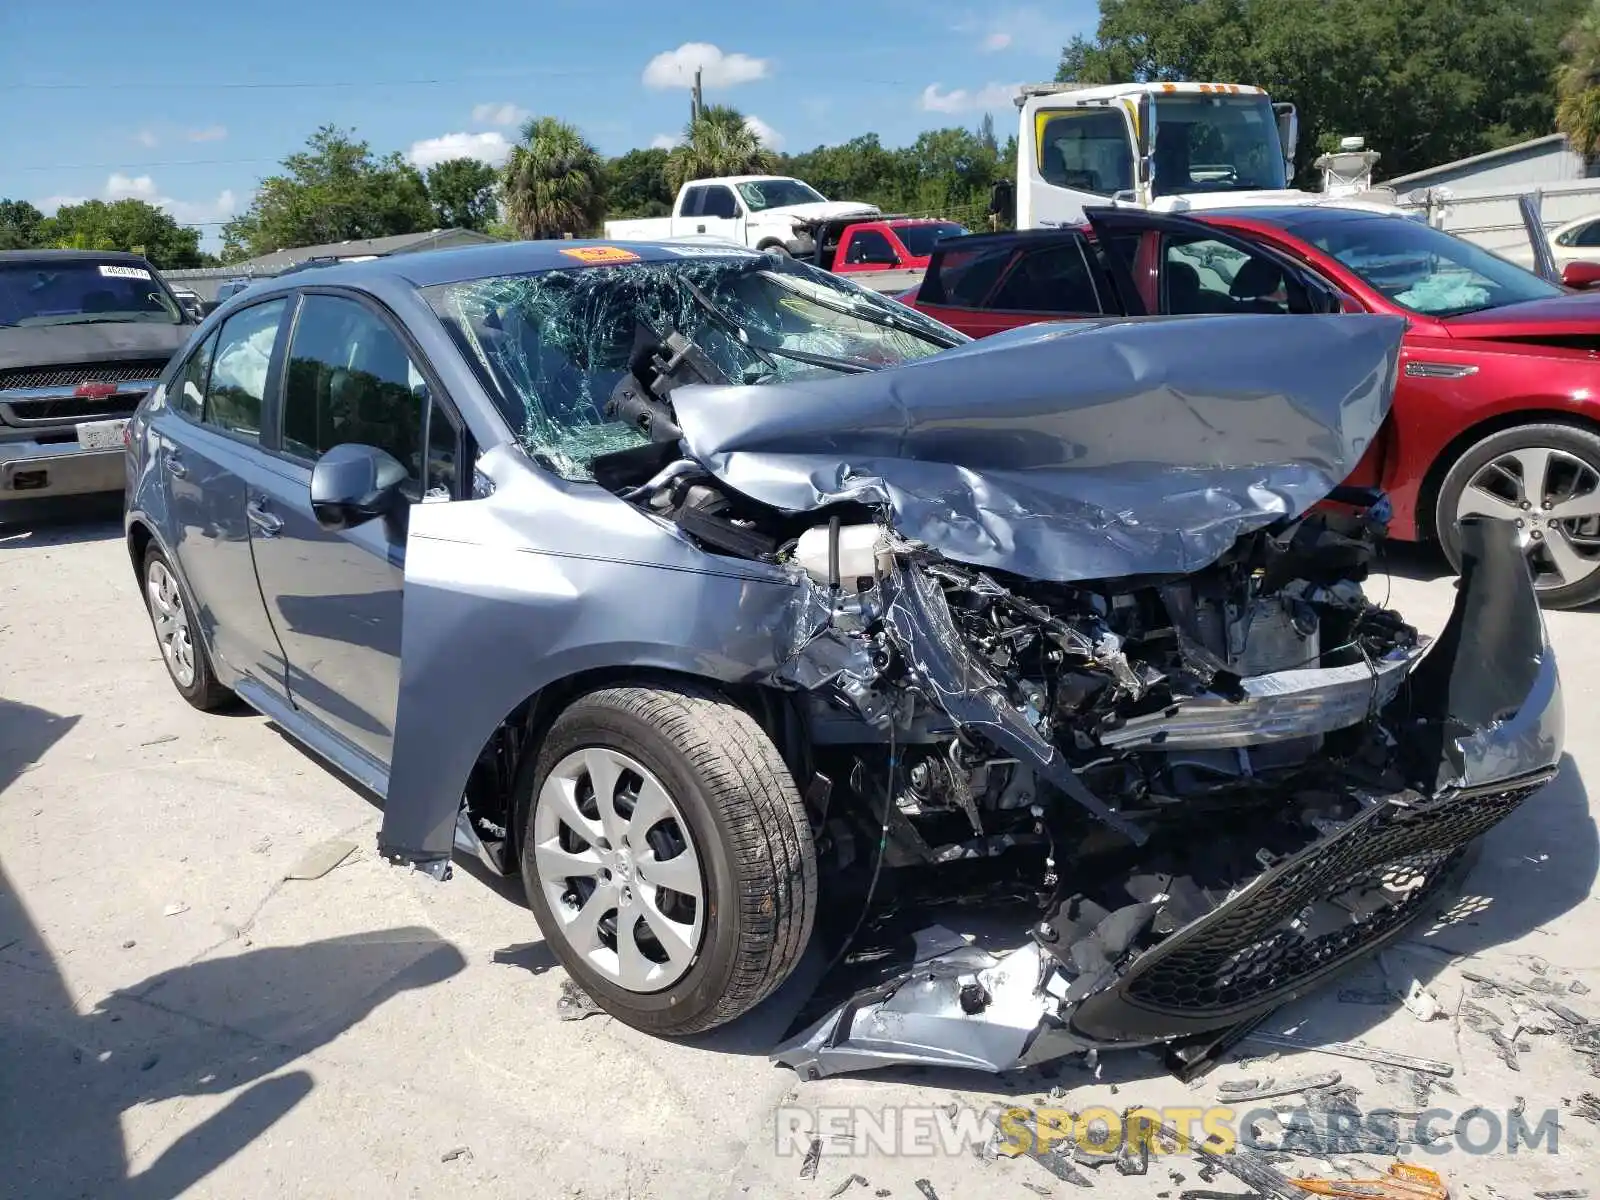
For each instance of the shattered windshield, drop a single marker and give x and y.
(778, 193)
(554, 345)
(1424, 269)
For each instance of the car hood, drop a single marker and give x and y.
(67, 345)
(1071, 451)
(820, 210)
(1573, 313)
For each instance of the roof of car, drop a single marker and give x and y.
(14, 256)
(1291, 215)
(429, 267)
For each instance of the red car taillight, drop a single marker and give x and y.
(95, 391)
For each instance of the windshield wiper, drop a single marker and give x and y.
(851, 366)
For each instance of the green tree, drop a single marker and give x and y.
(1425, 82)
(720, 142)
(122, 225)
(636, 185)
(554, 181)
(335, 190)
(462, 191)
(19, 225)
(1578, 84)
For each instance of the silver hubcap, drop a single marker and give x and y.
(172, 623)
(619, 870)
(1553, 498)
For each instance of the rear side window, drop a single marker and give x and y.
(869, 246)
(693, 199)
(964, 278)
(239, 371)
(719, 203)
(350, 379)
(1054, 279)
(188, 393)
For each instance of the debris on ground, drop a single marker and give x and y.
(321, 858)
(1357, 1050)
(1266, 1089)
(456, 1152)
(161, 741)
(176, 909)
(1403, 1182)
(926, 1188)
(129, 944)
(1564, 1194)
(1038, 1189)
(813, 1158)
(850, 1182)
(1506, 1048)
(575, 1003)
(1587, 1105)
(1421, 1003)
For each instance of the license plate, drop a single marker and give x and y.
(101, 435)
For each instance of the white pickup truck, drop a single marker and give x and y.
(764, 212)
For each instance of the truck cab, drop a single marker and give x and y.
(763, 212)
(1167, 147)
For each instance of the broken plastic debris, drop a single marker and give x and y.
(847, 1184)
(1403, 1182)
(176, 909)
(456, 1152)
(1267, 1088)
(808, 1168)
(320, 859)
(1357, 1050)
(1421, 1003)
(575, 1003)
(926, 1188)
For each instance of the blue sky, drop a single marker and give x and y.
(189, 105)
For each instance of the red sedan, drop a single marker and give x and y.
(1498, 405)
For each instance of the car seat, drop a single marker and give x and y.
(1257, 279)
(1183, 289)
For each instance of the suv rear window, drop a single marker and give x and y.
(77, 292)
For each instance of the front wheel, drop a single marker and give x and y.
(667, 856)
(182, 648)
(1546, 480)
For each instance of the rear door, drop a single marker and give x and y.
(992, 286)
(350, 376)
(208, 451)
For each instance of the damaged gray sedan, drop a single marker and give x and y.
(727, 602)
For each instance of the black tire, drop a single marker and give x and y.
(1568, 439)
(203, 691)
(750, 832)
(777, 248)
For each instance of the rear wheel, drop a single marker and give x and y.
(1546, 480)
(667, 856)
(182, 648)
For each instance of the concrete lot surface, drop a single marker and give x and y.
(178, 1018)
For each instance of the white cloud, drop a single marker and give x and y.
(147, 139)
(1027, 29)
(185, 212)
(499, 114)
(491, 148)
(211, 133)
(122, 187)
(676, 68)
(998, 40)
(993, 97)
(768, 136)
(664, 141)
(49, 204)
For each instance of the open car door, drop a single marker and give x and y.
(1169, 265)
(1544, 259)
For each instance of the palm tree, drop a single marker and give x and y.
(720, 142)
(553, 181)
(1578, 84)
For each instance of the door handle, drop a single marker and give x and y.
(175, 465)
(268, 524)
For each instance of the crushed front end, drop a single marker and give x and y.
(1230, 785)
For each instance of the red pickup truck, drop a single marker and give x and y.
(888, 254)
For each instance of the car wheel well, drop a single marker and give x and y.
(491, 788)
(1428, 496)
(139, 539)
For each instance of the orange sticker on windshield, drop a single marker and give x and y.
(595, 255)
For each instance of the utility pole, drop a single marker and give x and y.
(697, 100)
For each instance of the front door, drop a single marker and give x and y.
(335, 597)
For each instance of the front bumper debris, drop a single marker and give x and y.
(1481, 714)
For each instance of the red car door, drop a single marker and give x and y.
(994, 283)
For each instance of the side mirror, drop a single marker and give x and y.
(352, 484)
(1580, 275)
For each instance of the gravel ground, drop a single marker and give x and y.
(178, 1018)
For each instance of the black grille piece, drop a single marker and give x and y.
(1332, 901)
(69, 409)
(116, 372)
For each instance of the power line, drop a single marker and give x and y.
(125, 165)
